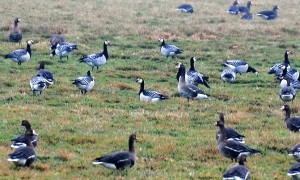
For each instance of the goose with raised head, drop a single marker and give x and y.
(21, 55)
(84, 83)
(16, 34)
(45, 73)
(269, 15)
(233, 9)
(63, 49)
(292, 123)
(148, 95)
(121, 159)
(20, 141)
(245, 9)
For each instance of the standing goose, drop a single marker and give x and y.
(63, 49)
(232, 149)
(169, 50)
(20, 141)
(97, 59)
(243, 9)
(37, 83)
(45, 73)
(193, 77)
(149, 96)
(24, 156)
(228, 75)
(285, 81)
(295, 152)
(287, 93)
(277, 69)
(292, 123)
(16, 34)
(121, 159)
(230, 133)
(240, 66)
(233, 9)
(21, 55)
(238, 171)
(188, 91)
(294, 171)
(185, 8)
(290, 73)
(84, 83)
(269, 15)
(55, 39)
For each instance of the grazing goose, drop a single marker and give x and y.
(243, 9)
(84, 83)
(247, 16)
(240, 66)
(97, 59)
(55, 39)
(238, 171)
(121, 159)
(230, 133)
(45, 73)
(294, 171)
(37, 83)
(232, 149)
(63, 49)
(295, 152)
(269, 15)
(16, 34)
(228, 75)
(149, 96)
(287, 93)
(188, 91)
(233, 9)
(24, 156)
(185, 8)
(21, 55)
(169, 50)
(20, 141)
(292, 123)
(193, 77)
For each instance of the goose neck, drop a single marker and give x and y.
(131, 145)
(105, 51)
(142, 86)
(28, 49)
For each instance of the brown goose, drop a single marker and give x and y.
(16, 34)
(121, 159)
(238, 171)
(232, 149)
(292, 123)
(55, 39)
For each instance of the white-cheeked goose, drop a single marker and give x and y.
(148, 95)
(84, 83)
(21, 55)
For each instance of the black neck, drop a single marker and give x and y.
(248, 5)
(287, 113)
(27, 138)
(42, 66)
(131, 145)
(286, 58)
(163, 43)
(221, 117)
(142, 87)
(222, 134)
(105, 52)
(241, 161)
(192, 62)
(181, 73)
(284, 71)
(28, 49)
(251, 69)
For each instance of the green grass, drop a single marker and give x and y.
(175, 141)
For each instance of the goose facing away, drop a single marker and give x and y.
(121, 159)
(84, 83)
(188, 91)
(97, 59)
(16, 34)
(287, 93)
(232, 149)
(269, 15)
(55, 39)
(20, 141)
(63, 49)
(24, 156)
(294, 171)
(45, 73)
(169, 50)
(37, 84)
(185, 8)
(238, 171)
(230, 133)
(295, 152)
(20, 55)
(149, 96)
(228, 75)
(233, 9)
(245, 9)
(194, 77)
(292, 123)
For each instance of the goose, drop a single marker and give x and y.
(119, 160)
(24, 156)
(169, 50)
(84, 83)
(295, 152)
(37, 83)
(228, 75)
(188, 91)
(290, 73)
(63, 49)
(277, 68)
(285, 81)
(287, 93)
(149, 96)
(232, 149)
(16, 34)
(45, 73)
(233, 9)
(55, 39)
(294, 171)
(269, 15)
(21, 55)
(243, 9)
(292, 123)
(247, 16)
(185, 8)
(193, 77)
(20, 141)
(230, 133)
(240, 66)
(238, 171)
(97, 59)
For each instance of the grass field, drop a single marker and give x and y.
(175, 141)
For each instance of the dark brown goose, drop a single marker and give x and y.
(238, 171)
(292, 123)
(16, 33)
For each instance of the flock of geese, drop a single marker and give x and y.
(230, 142)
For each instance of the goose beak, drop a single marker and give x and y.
(282, 108)
(215, 124)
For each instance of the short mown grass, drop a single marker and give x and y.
(175, 141)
